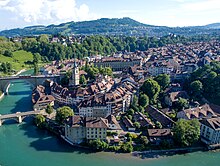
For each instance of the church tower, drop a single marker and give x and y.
(74, 81)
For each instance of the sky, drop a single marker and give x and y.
(22, 13)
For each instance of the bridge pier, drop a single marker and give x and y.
(19, 119)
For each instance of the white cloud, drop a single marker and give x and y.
(46, 11)
(205, 5)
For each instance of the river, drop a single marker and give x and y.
(24, 144)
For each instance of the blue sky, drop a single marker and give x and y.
(21, 13)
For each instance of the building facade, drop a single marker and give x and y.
(210, 131)
(79, 129)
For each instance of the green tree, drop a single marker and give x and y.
(6, 67)
(8, 53)
(66, 78)
(186, 132)
(36, 58)
(82, 80)
(36, 69)
(40, 120)
(43, 38)
(135, 100)
(151, 88)
(108, 71)
(98, 144)
(212, 75)
(196, 88)
(158, 125)
(143, 100)
(129, 117)
(144, 140)
(163, 80)
(182, 103)
(137, 125)
(49, 109)
(126, 147)
(130, 111)
(63, 113)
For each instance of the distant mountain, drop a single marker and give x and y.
(106, 26)
(213, 26)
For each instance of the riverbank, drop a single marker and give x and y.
(165, 153)
(21, 71)
(2, 96)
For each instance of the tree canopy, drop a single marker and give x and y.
(63, 113)
(182, 103)
(206, 82)
(163, 80)
(49, 109)
(196, 88)
(151, 88)
(40, 120)
(143, 100)
(186, 132)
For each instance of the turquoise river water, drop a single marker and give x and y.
(25, 145)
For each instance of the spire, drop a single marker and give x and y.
(74, 58)
(75, 74)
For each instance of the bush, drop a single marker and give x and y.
(126, 147)
(8, 53)
(114, 148)
(98, 145)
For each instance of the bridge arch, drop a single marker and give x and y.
(15, 119)
(28, 116)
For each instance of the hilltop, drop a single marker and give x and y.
(115, 26)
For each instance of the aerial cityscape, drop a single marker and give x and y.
(114, 83)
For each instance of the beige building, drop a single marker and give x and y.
(79, 129)
(75, 130)
(118, 63)
(210, 131)
(96, 128)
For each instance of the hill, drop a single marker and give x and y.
(213, 26)
(115, 26)
(19, 60)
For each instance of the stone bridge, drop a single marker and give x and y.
(33, 80)
(19, 116)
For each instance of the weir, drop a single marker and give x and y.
(7, 89)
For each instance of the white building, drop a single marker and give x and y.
(210, 131)
(95, 111)
(157, 69)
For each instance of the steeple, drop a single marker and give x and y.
(74, 81)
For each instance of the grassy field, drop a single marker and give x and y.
(19, 60)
